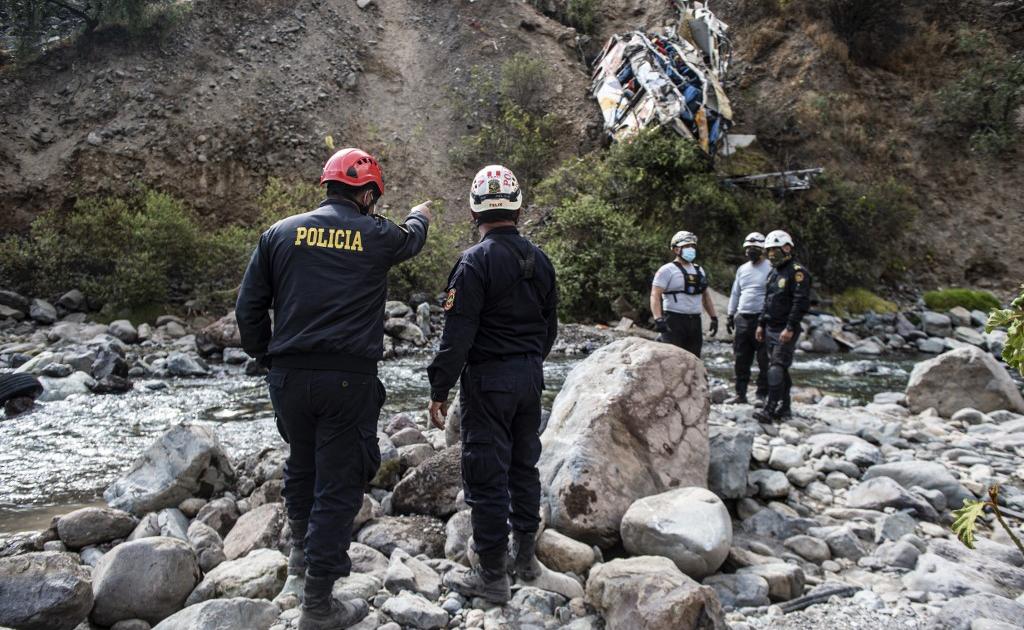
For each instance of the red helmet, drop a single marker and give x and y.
(354, 167)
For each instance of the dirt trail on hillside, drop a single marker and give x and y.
(242, 92)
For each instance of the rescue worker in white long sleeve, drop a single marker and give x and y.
(746, 301)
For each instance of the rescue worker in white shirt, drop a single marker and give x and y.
(746, 301)
(678, 296)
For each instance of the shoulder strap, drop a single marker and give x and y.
(527, 263)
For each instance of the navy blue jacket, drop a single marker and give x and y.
(787, 296)
(324, 273)
(492, 310)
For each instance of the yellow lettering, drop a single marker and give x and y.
(330, 238)
(348, 239)
(300, 233)
(311, 237)
(320, 238)
(357, 241)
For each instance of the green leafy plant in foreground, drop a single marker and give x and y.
(1013, 320)
(966, 519)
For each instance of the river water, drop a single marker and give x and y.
(63, 454)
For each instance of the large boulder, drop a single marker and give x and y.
(224, 614)
(185, 461)
(432, 487)
(222, 333)
(965, 377)
(92, 525)
(44, 591)
(630, 421)
(690, 526)
(650, 592)
(257, 529)
(148, 579)
(927, 475)
(259, 575)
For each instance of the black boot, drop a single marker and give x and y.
(524, 556)
(296, 563)
(297, 557)
(320, 611)
(741, 395)
(488, 581)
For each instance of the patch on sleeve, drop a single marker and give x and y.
(798, 277)
(782, 283)
(449, 301)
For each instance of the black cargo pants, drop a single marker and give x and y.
(745, 349)
(500, 403)
(684, 331)
(329, 420)
(780, 358)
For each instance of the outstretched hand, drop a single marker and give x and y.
(438, 411)
(425, 209)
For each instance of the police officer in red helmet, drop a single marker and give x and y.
(324, 274)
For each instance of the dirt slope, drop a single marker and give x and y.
(242, 91)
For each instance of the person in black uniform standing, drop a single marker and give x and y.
(787, 298)
(500, 325)
(324, 273)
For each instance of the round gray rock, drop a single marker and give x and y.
(92, 525)
(43, 591)
(224, 614)
(690, 526)
(148, 579)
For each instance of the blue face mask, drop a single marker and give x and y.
(689, 254)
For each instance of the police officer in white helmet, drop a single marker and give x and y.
(679, 294)
(500, 325)
(787, 299)
(746, 301)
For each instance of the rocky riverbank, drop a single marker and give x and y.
(845, 508)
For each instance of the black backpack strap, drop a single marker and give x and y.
(527, 263)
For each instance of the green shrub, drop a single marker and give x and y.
(983, 102)
(429, 270)
(32, 21)
(579, 14)
(848, 234)
(945, 299)
(858, 301)
(280, 199)
(1012, 319)
(506, 112)
(600, 254)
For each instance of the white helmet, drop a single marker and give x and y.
(754, 239)
(777, 238)
(495, 188)
(683, 238)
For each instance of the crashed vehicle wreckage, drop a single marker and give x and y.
(673, 78)
(662, 79)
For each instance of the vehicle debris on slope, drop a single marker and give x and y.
(658, 79)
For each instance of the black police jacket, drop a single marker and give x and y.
(787, 296)
(501, 302)
(324, 273)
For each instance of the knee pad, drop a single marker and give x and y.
(776, 376)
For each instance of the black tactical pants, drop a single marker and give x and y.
(684, 331)
(500, 403)
(329, 420)
(746, 348)
(780, 357)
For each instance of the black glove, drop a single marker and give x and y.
(730, 324)
(660, 325)
(714, 326)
